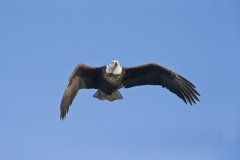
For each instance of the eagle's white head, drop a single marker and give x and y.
(114, 67)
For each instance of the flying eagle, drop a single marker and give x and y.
(112, 77)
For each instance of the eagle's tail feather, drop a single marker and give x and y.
(112, 97)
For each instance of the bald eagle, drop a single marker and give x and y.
(112, 77)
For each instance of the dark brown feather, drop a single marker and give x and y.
(83, 76)
(154, 74)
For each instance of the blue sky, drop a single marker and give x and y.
(42, 41)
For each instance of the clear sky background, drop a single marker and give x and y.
(42, 41)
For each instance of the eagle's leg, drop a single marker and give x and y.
(112, 97)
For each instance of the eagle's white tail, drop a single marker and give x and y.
(112, 97)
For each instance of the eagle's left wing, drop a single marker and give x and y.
(154, 74)
(83, 76)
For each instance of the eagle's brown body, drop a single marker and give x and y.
(109, 83)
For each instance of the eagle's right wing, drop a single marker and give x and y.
(83, 76)
(154, 74)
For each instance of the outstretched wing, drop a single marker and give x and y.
(154, 74)
(83, 76)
